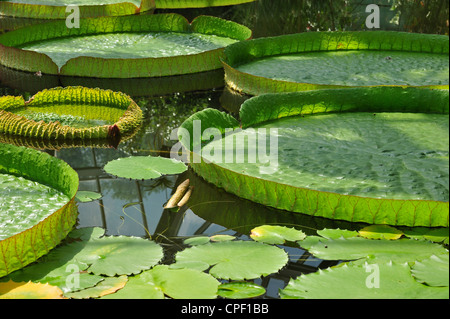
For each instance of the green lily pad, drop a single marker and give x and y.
(380, 232)
(56, 9)
(144, 167)
(107, 286)
(402, 250)
(174, 283)
(433, 271)
(236, 260)
(37, 205)
(86, 197)
(240, 290)
(372, 155)
(351, 281)
(178, 4)
(328, 60)
(112, 256)
(336, 233)
(276, 234)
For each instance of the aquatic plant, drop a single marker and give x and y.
(342, 154)
(56, 9)
(320, 60)
(118, 47)
(70, 114)
(37, 208)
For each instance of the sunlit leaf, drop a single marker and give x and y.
(276, 234)
(108, 286)
(240, 290)
(141, 167)
(174, 283)
(433, 271)
(112, 256)
(337, 233)
(29, 290)
(386, 280)
(380, 232)
(236, 260)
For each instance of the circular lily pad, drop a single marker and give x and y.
(318, 60)
(72, 115)
(374, 155)
(144, 167)
(37, 205)
(56, 9)
(122, 47)
(236, 260)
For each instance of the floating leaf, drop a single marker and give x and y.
(433, 271)
(337, 233)
(107, 286)
(87, 233)
(437, 235)
(112, 256)
(236, 260)
(240, 290)
(85, 196)
(144, 167)
(386, 280)
(401, 250)
(334, 60)
(174, 283)
(29, 230)
(29, 290)
(276, 234)
(219, 238)
(179, 4)
(198, 240)
(380, 232)
(336, 154)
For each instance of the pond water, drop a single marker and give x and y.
(135, 208)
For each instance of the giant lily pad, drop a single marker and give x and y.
(373, 155)
(354, 281)
(318, 60)
(71, 114)
(56, 9)
(122, 47)
(37, 205)
(178, 4)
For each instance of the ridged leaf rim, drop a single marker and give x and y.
(243, 52)
(270, 107)
(38, 11)
(26, 247)
(30, 61)
(21, 127)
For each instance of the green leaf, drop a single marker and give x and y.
(108, 286)
(73, 114)
(344, 154)
(112, 256)
(133, 46)
(402, 250)
(30, 176)
(351, 281)
(336, 60)
(144, 167)
(337, 233)
(240, 290)
(86, 196)
(56, 9)
(380, 232)
(174, 283)
(236, 260)
(177, 4)
(276, 234)
(433, 271)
